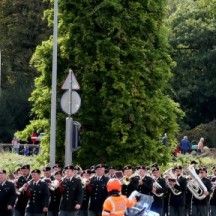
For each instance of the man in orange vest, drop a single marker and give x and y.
(116, 204)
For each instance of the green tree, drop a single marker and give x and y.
(22, 29)
(119, 52)
(193, 41)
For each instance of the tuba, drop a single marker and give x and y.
(170, 175)
(195, 184)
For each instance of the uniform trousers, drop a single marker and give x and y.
(34, 214)
(83, 213)
(176, 211)
(212, 210)
(50, 213)
(199, 210)
(158, 210)
(94, 213)
(18, 213)
(68, 213)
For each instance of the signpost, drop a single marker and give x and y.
(70, 104)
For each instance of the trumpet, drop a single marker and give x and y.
(126, 180)
(21, 189)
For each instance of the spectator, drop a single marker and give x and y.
(16, 144)
(164, 139)
(185, 145)
(26, 150)
(200, 146)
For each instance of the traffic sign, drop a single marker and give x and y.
(75, 102)
(71, 78)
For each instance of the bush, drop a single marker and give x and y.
(11, 162)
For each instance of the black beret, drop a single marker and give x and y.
(193, 162)
(140, 167)
(27, 166)
(112, 167)
(128, 167)
(56, 166)
(100, 166)
(58, 173)
(155, 169)
(178, 167)
(69, 167)
(2, 171)
(36, 171)
(154, 165)
(203, 169)
(47, 168)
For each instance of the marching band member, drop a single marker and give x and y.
(177, 199)
(158, 191)
(47, 174)
(129, 184)
(213, 195)
(22, 199)
(7, 195)
(97, 191)
(116, 204)
(55, 195)
(111, 172)
(56, 168)
(200, 207)
(72, 193)
(86, 174)
(145, 181)
(38, 195)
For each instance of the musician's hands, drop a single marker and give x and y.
(25, 186)
(77, 206)
(45, 209)
(9, 207)
(206, 193)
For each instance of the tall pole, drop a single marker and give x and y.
(69, 127)
(0, 74)
(54, 84)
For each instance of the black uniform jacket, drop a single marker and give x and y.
(146, 185)
(7, 197)
(97, 192)
(127, 189)
(204, 201)
(159, 200)
(179, 200)
(38, 197)
(22, 199)
(72, 194)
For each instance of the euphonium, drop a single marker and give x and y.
(157, 185)
(170, 175)
(195, 184)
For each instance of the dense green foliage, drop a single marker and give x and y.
(119, 52)
(22, 29)
(194, 49)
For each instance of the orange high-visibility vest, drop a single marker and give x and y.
(116, 206)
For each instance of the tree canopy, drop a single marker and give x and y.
(193, 41)
(120, 55)
(22, 29)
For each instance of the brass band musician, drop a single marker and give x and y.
(200, 206)
(159, 189)
(129, 183)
